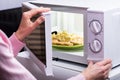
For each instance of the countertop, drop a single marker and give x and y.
(61, 70)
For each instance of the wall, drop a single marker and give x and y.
(9, 4)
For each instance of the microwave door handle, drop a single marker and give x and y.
(48, 42)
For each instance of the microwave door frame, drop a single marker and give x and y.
(48, 42)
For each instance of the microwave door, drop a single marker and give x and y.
(38, 44)
(33, 57)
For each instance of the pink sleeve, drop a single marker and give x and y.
(77, 77)
(16, 44)
(10, 68)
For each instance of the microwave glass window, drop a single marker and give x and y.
(67, 33)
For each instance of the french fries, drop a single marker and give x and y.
(66, 39)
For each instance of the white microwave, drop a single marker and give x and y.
(97, 22)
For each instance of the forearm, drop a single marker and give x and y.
(10, 68)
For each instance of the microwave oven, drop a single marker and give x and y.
(97, 22)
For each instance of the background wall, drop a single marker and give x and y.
(10, 15)
(9, 4)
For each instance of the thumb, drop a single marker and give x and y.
(90, 63)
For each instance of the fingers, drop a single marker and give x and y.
(107, 66)
(38, 21)
(106, 74)
(106, 69)
(104, 62)
(35, 11)
(99, 70)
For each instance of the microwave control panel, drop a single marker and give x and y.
(95, 36)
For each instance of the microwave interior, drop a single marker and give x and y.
(67, 32)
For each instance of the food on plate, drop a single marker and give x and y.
(66, 39)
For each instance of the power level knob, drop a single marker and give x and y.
(95, 26)
(95, 46)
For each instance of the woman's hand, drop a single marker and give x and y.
(98, 71)
(27, 26)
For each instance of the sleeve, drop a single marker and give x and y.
(16, 44)
(77, 77)
(10, 68)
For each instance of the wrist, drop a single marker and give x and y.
(87, 76)
(19, 37)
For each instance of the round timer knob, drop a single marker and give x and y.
(95, 27)
(95, 46)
